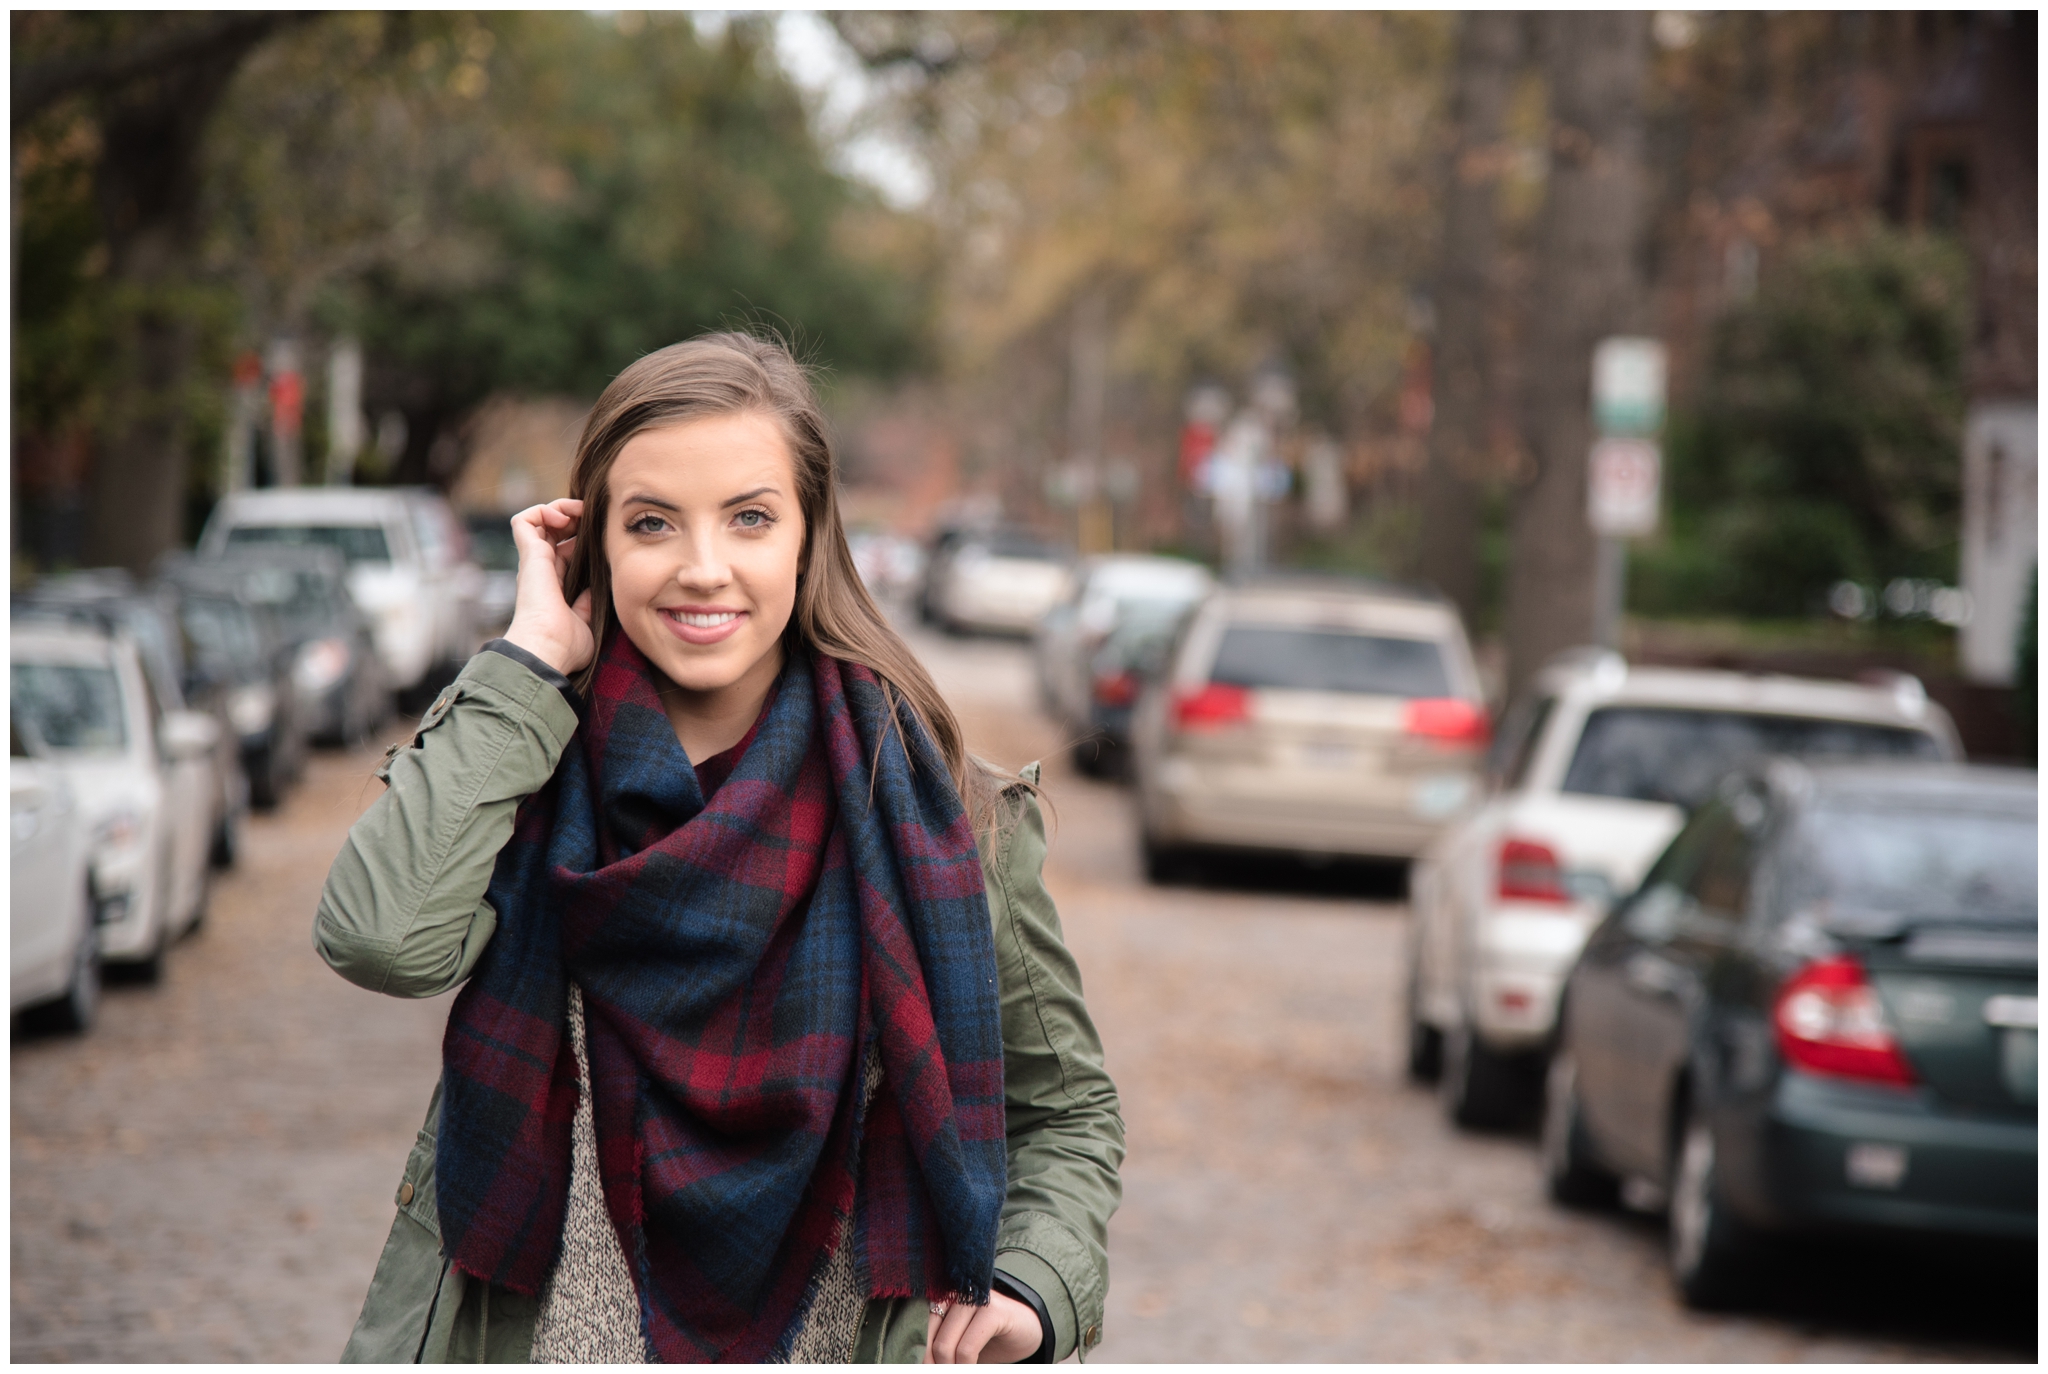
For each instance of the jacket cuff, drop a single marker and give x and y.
(1027, 1271)
(541, 669)
(1010, 1286)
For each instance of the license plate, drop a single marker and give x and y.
(1439, 795)
(1334, 757)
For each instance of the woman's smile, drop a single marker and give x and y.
(696, 625)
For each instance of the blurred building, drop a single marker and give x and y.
(519, 452)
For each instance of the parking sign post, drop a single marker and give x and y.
(1624, 476)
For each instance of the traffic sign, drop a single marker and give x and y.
(1628, 386)
(1624, 482)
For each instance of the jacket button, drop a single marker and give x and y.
(1094, 1332)
(405, 1193)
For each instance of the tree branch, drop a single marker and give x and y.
(40, 85)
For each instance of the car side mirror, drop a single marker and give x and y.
(184, 735)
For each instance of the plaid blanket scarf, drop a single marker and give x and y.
(737, 959)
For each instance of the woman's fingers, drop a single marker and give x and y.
(965, 1333)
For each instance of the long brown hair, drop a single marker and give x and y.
(729, 373)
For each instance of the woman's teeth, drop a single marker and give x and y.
(703, 621)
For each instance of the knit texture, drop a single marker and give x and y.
(736, 959)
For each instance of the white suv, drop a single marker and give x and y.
(408, 563)
(1591, 774)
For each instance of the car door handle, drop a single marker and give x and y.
(1658, 977)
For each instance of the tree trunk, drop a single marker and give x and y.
(1489, 44)
(147, 186)
(1587, 286)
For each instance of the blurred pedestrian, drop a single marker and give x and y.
(770, 1047)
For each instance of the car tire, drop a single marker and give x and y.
(75, 1011)
(265, 783)
(1571, 1175)
(226, 841)
(1713, 1256)
(1165, 864)
(1480, 1089)
(1425, 1042)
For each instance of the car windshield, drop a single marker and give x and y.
(70, 706)
(1959, 865)
(1659, 754)
(357, 543)
(222, 633)
(490, 543)
(305, 601)
(1318, 660)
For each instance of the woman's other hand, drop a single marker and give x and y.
(543, 623)
(1003, 1332)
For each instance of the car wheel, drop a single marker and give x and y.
(1712, 1255)
(1165, 864)
(226, 842)
(1425, 1042)
(1571, 1175)
(76, 1010)
(1479, 1088)
(264, 788)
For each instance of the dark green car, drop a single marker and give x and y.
(1817, 1015)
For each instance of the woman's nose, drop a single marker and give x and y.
(705, 564)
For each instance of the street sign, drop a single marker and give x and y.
(1628, 386)
(1624, 479)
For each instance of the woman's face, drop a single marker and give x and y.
(704, 535)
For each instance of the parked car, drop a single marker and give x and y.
(110, 600)
(1090, 647)
(54, 958)
(998, 581)
(235, 643)
(141, 776)
(408, 557)
(1817, 1015)
(336, 673)
(490, 544)
(890, 565)
(1592, 773)
(1317, 716)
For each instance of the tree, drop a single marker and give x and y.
(1468, 301)
(1587, 286)
(141, 91)
(1825, 440)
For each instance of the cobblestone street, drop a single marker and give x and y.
(208, 1175)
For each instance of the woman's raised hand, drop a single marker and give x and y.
(543, 622)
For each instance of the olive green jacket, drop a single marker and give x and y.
(403, 913)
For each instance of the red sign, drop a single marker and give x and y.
(287, 401)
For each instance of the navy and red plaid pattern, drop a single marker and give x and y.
(736, 960)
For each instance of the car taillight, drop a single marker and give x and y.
(1530, 872)
(1829, 1020)
(1212, 706)
(1447, 719)
(1116, 689)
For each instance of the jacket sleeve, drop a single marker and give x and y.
(1066, 1134)
(403, 911)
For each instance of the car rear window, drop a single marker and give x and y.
(1664, 755)
(71, 706)
(357, 543)
(222, 633)
(1315, 660)
(490, 543)
(1956, 865)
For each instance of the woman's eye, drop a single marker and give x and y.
(752, 519)
(644, 524)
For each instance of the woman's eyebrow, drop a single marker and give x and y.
(638, 499)
(750, 495)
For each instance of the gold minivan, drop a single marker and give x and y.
(1308, 715)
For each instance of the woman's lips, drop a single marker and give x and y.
(702, 627)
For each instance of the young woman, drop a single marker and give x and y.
(768, 1046)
